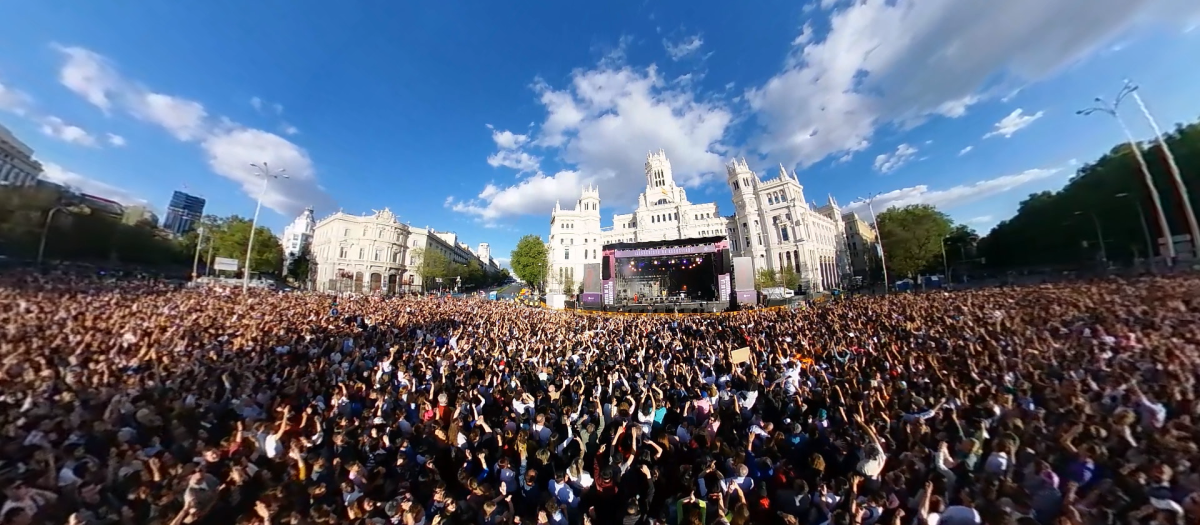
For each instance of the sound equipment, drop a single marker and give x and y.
(724, 263)
(743, 274)
(591, 278)
(607, 264)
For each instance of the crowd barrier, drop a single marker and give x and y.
(673, 314)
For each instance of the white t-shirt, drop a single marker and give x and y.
(872, 462)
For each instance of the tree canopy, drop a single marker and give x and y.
(229, 237)
(1057, 229)
(530, 261)
(912, 238)
(76, 233)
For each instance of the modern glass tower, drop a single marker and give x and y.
(183, 213)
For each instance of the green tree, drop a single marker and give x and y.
(531, 261)
(298, 268)
(75, 233)
(789, 277)
(1057, 229)
(765, 278)
(912, 238)
(568, 284)
(230, 237)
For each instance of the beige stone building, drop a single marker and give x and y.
(862, 240)
(361, 253)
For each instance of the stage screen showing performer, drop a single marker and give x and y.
(683, 278)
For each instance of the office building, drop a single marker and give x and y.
(17, 167)
(184, 213)
(297, 236)
(863, 244)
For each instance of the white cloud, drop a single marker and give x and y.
(115, 140)
(601, 125)
(185, 119)
(89, 75)
(508, 140)
(951, 197)
(965, 150)
(58, 174)
(901, 61)
(517, 160)
(259, 104)
(228, 146)
(56, 128)
(231, 151)
(889, 162)
(805, 36)
(982, 219)
(680, 50)
(1014, 122)
(533, 195)
(289, 129)
(13, 100)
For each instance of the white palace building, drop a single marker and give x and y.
(772, 224)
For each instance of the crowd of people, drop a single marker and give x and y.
(138, 402)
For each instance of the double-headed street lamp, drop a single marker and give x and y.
(265, 172)
(1110, 109)
(77, 209)
(1176, 177)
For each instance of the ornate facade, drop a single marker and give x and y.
(772, 224)
(297, 236)
(777, 228)
(663, 213)
(361, 253)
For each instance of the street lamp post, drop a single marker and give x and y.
(1145, 229)
(81, 210)
(1189, 213)
(879, 238)
(945, 264)
(1099, 237)
(196, 258)
(265, 172)
(1110, 109)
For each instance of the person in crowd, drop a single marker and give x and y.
(139, 401)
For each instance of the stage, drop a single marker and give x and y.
(668, 307)
(679, 276)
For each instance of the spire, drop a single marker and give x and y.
(783, 174)
(832, 201)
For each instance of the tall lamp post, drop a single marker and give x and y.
(879, 238)
(945, 265)
(1099, 237)
(196, 258)
(1189, 213)
(1145, 229)
(1110, 109)
(79, 210)
(265, 172)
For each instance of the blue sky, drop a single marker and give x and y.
(477, 116)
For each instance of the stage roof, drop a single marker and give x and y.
(649, 245)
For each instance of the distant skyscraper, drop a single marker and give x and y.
(183, 213)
